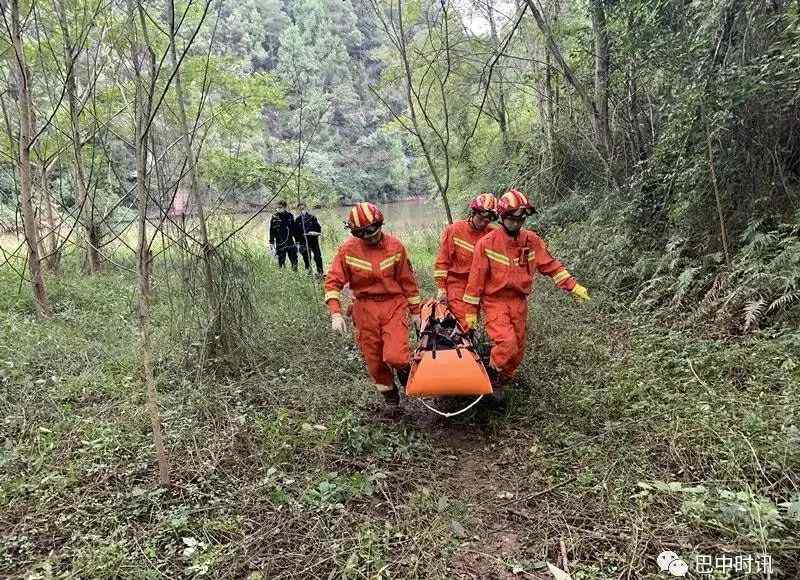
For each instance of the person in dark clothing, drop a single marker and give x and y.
(306, 232)
(281, 236)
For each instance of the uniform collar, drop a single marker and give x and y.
(520, 235)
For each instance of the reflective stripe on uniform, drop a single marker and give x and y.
(414, 300)
(474, 300)
(358, 263)
(497, 257)
(464, 244)
(390, 261)
(440, 273)
(561, 276)
(333, 295)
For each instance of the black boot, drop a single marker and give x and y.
(402, 376)
(494, 375)
(392, 398)
(497, 399)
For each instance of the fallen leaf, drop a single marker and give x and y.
(558, 573)
(457, 529)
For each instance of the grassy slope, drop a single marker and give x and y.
(286, 470)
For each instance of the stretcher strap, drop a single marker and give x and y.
(448, 415)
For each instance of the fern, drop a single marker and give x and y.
(684, 283)
(783, 303)
(753, 312)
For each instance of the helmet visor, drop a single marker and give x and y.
(366, 232)
(518, 216)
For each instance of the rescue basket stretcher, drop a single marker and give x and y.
(445, 364)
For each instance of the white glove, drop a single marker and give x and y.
(338, 323)
(441, 295)
(272, 250)
(416, 320)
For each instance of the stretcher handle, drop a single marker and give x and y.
(449, 415)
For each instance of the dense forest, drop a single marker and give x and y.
(172, 402)
(670, 127)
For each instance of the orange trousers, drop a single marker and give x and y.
(382, 334)
(505, 318)
(455, 298)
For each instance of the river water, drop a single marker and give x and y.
(402, 216)
(408, 217)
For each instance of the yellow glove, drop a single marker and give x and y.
(338, 323)
(472, 321)
(580, 293)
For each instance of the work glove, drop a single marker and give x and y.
(580, 293)
(272, 250)
(441, 295)
(472, 321)
(416, 321)
(338, 323)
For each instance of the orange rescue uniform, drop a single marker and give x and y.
(453, 263)
(385, 290)
(500, 281)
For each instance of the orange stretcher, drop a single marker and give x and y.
(445, 364)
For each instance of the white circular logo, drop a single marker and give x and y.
(678, 568)
(670, 562)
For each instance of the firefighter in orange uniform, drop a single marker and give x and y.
(377, 268)
(500, 280)
(454, 260)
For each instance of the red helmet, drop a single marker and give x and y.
(511, 201)
(363, 215)
(484, 202)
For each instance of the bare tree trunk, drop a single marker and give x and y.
(196, 195)
(143, 111)
(410, 99)
(24, 164)
(549, 109)
(569, 74)
(85, 201)
(633, 99)
(397, 34)
(547, 98)
(502, 113)
(601, 56)
(722, 228)
(53, 260)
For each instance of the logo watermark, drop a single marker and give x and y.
(708, 565)
(672, 563)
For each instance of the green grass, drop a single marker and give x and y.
(649, 438)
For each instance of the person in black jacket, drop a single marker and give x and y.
(281, 236)
(306, 232)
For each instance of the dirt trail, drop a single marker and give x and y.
(486, 471)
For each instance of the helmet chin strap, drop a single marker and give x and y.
(376, 239)
(509, 232)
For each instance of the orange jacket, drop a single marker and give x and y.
(382, 270)
(506, 264)
(456, 251)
